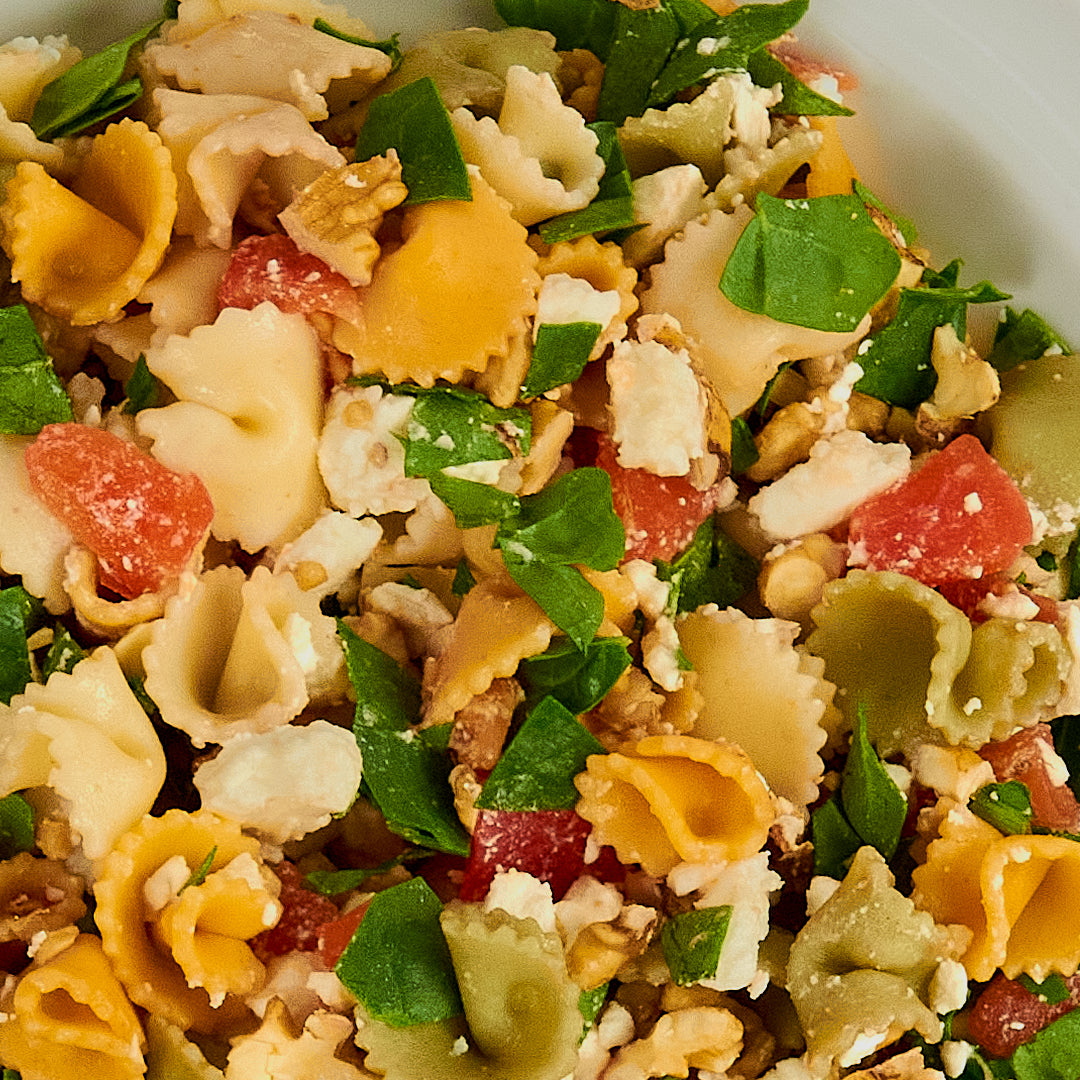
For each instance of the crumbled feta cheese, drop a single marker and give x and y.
(948, 987)
(819, 891)
(955, 1055)
(951, 771)
(479, 472)
(335, 546)
(566, 299)
(165, 882)
(866, 1042)
(972, 503)
(660, 654)
(664, 202)
(587, 901)
(523, 896)
(652, 593)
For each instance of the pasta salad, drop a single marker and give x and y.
(516, 566)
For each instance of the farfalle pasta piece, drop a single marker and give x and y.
(195, 16)
(231, 58)
(171, 1055)
(736, 350)
(675, 798)
(105, 617)
(235, 656)
(37, 895)
(68, 1016)
(869, 966)
(1014, 893)
(540, 156)
(761, 693)
(752, 169)
(84, 251)
(142, 882)
(183, 293)
(86, 736)
(222, 143)
(701, 1037)
(925, 676)
(247, 421)
(422, 318)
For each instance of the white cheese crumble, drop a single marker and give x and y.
(336, 544)
(165, 882)
(972, 503)
(948, 987)
(566, 299)
(523, 896)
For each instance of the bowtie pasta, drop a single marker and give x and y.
(515, 567)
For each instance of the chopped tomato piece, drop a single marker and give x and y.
(335, 935)
(273, 268)
(142, 520)
(660, 513)
(960, 516)
(1006, 1014)
(304, 915)
(809, 68)
(1029, 756)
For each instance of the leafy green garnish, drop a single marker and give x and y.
(820, 263)
(1053, 989)
(198, 875)
(613, 206)
(90, 91)
(835, 841)
(336, 882)
(473, 504)
(1022, 337)
(1046, 560)
(413, 120)
(537, 769)
(463, 579)
(16, 825)
(713, 569)
(577, 678)
(10, 1074)
(64, 653)
(590, 1002)
(692, 942)
(142, 390)
(559, 355)
(905, 225)
(31, 395)
(387, 696)
(642, 41)
(744, 451)
(390, 46)
(576, 24)
(1066, 732)
(1054, 1053)
(397, 963)
(1006, 806)
(21, 615)
(798, 99)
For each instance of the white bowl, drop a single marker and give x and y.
(965, 117)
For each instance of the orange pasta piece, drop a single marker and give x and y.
(831, 171)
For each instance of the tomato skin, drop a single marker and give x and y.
(273, 268)
(304, 914)
(1006, 1014)
(334, 936)
(141, 519)
(960, 516)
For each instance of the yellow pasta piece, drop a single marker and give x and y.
(130, 922)
(423, 318)
(68, 1016)
(84, 251)
(103, 617)
(1015, 893)
(673, 798)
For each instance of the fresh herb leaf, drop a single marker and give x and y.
(1006, 806)
(590, 1002)
(820, 263)
(559, 355)
(1054, 1053)
(437, 737)
(537, 769)
(16, 825)
(873, 804)
(576, 24)
(835, 841)
(64, 653)
(905, 225)
(142, 390)
(744, 451)
(798, 99)
(390, 46)
(1047, 561)
(692, 942)
(397, 963)
(473, 504)
(463, 579)
(571, 603)
(713, 569)
(10, 1074)
(1066, 732)
(613, 206)
(1023, 337)
(21, 615)
(577, 678)
(138, 688)
(1053, 989)
(386, 695)
(336, 882)
(413, 120)
(31, 395)
(198, 876)
(639, 49)
(89, 92)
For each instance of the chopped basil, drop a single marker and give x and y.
(1054, 1053)
(873, 804)
(64, 653)
(559, 355)
(413, 120)
(1053, 989)
(336, 882)
(744, 451)
(1047, 561)
(896, 360)
(577, 678)
(473, 504)
(835, 841)
(576, 24)
(640, 47)
(692, 942)
(820, 263)
(713, 569)
(1006, 806)
(1023, 337)
(198, 876)
(390, 46)
(397, 964)
(613, 206)
(90, 91)
(386, 695)
(798, 99)
(463, 579)
(21, 615)
(16, 825)
(142, 390)
(537, 769)
(138, 688)
(31, 395)
(590, 1002)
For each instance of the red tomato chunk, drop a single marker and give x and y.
(273, 268)
(960, 516)
(1007, 1014)
(304, 915)
(142, 520)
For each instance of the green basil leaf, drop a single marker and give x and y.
(397, 964)
(413, 120)
(1006, 806)
(463, 579)
(722, 44)
(16, 825)
(559, 355)
(713, 569)
(798, 99)
(577, 678)
(1054, 1053)
(142, 390)
(1023, 337)
(473, 504)
(590, 1002)
(198, 875)
(336, 882)
(1053, 989)
(31, 394)
(744, 451)
(692, 942)
(90, 91)
(537, 769)
(387, 696)
(64, 653)
(613, 206)
(873, 805)
(21, 615)
(571, 603)
(576, 24)
(138, 688)
(639, 49)
(820, 263)
(906, 226)
(390, 46)
(835, 841)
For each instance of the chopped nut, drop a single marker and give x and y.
(703, 1038)
(966, 384)
(791, 582)
(480, 727)
(785, 441)
(466, 789)
(602, 948)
